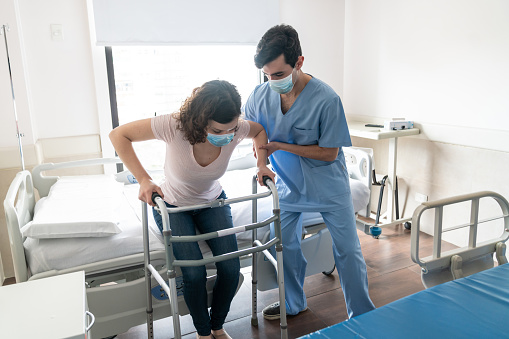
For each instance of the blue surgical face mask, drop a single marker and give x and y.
(220, 140)
(282, 86)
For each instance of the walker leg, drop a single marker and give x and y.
(281, 283)
(150, 311)
(254, 292)
(254, 270)
(174, 304)
(148, 283)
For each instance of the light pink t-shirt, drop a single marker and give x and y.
(187, 182)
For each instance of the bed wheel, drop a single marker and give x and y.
(408, 225)
(327, 273)
(375, 231)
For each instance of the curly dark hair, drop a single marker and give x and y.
(216, 100)
(280, 39)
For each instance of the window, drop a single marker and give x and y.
(156, 80)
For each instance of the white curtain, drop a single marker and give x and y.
(166, 22)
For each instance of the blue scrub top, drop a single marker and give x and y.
(315, 118)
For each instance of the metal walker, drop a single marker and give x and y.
(172, 263)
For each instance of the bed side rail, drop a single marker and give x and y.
(19, 207)
(43, 182)
(100, 268)
(359, 163)
(449, 263)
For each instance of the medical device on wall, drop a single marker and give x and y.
(5, 29)
(398, 124)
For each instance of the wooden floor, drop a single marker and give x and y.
(391, 274)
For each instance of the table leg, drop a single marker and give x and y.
(391, 189)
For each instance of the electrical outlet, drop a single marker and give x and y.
(57, 32)
(421, 197)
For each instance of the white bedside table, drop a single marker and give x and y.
(51, 308)
(359, 129)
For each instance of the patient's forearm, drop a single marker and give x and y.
(126, 153)
(261, 154)
(122, 139)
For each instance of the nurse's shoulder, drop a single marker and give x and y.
(322, 89)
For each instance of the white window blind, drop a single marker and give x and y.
(168, 22)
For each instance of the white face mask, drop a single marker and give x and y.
(282, 86)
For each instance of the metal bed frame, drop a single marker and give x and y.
(172, 263)
(441, 266)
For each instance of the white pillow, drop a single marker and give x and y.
(77, 207)
(70, 230)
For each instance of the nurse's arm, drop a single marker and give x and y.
(310, 151)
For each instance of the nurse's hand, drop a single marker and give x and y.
(271, 147)
(265, 171)
(147, 187)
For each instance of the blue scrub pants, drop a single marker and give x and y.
(347, 256)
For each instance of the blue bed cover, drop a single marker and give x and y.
(476, 306)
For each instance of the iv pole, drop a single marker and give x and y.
(5, 29)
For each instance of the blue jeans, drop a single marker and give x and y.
(195, 292)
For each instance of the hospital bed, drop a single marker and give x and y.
(107, 287)
(113, 265)
(466, 296)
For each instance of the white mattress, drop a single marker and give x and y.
(57, 254)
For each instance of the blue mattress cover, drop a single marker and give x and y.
(476, 306)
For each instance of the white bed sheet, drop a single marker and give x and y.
(57, 254)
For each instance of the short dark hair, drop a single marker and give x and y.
(216, 100)
(280, 39)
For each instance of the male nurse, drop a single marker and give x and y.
(307, 129)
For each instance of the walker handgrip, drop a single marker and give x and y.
(154, 196)
(264, 180)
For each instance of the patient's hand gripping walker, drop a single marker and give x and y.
(172, 263)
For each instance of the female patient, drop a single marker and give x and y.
(200, 139)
